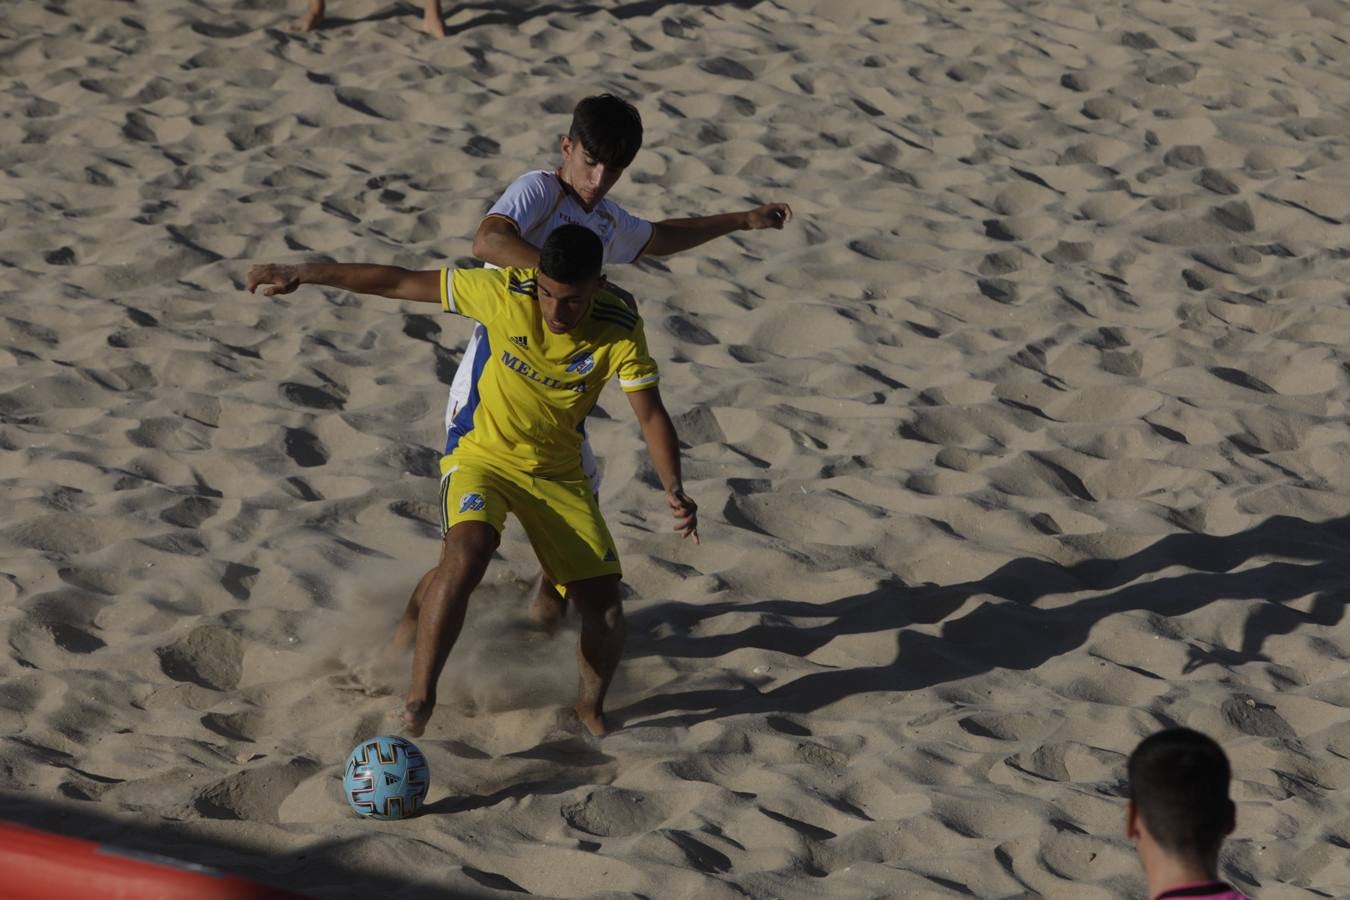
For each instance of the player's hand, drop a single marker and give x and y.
(770, 215)
(685, 511)
(273, 279)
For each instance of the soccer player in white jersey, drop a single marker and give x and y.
(604, 137)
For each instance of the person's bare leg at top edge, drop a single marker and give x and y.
(312, 18)
(433, 20)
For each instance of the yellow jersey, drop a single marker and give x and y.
(533, 389)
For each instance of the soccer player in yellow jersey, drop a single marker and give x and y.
(555, 338)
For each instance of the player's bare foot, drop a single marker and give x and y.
(594, 721)
(413, 716)
(433, 24)
(305, 23)
(312, 18)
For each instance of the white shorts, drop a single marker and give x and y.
(462, 385)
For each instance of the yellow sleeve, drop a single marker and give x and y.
(476, 293)
(636, 368)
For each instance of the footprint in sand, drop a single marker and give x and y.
(255, 794)
(209, 655)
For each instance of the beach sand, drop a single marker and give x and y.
(1026, 438)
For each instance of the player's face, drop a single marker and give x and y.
(563, 305)
(588, 178)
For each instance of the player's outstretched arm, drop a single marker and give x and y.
(498, 241)
(359, 278)
(664, 448)
(673, 235)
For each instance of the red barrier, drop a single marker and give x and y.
(38, 865)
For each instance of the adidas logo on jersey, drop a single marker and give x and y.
(521, 341)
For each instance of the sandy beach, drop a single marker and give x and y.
(1026, 438)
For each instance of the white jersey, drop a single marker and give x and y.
(536, 203)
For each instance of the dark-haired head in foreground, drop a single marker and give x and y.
(1179, 812)
(570, 264)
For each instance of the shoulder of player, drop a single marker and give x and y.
(520, 280)
(533, 187)
(540, 179)
(611, 210)
(491, 280)
(608, 308)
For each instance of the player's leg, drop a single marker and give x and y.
(600, 646)
(406, 629)
(432, 20)
(312, 18)
(463, 399)
(474, 506)
(466, 551)
(548, 607)
(563, 521)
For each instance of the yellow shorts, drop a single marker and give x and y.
(561, 516)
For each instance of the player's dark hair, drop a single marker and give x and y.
(608, 128)
(571, 254)
(1179, 786)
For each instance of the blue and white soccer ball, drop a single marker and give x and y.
(386, 778)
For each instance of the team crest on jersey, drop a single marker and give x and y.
(581, 364)
(471, 502)
(521, 341)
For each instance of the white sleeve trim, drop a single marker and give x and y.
(632, 384)
(448, 293)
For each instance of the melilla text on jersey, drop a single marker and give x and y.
(519, 365)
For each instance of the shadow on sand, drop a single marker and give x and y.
(1311, 559)
(516, 12)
